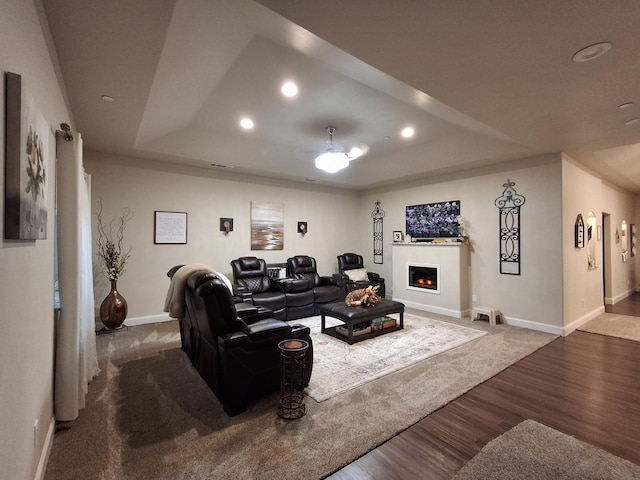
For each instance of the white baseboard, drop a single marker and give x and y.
(430, 308)
(618, 298)
(46, 451)
(577, 323)
(531, 325)
(516, 322)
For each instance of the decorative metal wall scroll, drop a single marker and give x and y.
(377, 215)
(509, 205)
(579, 232)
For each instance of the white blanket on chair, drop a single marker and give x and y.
(174, 303)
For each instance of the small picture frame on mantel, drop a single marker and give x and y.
(398, 237)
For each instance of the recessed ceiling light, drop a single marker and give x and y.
(407, 132)
(591, 52)
(246, 123)
(625, 105)
(289, 89)
(633, 121)
(107, 98)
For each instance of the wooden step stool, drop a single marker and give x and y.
(492, 313)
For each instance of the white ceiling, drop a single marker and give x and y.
(480, 82)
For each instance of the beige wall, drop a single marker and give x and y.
(26, 282)
(552, 293)
(583, 293)
(532, 299)
(620, 205)
(144, 188)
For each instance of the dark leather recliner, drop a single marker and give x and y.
(239, 361)
(352, 261)
(251, 281)
(325, 289)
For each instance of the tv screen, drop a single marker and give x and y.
(433, 220)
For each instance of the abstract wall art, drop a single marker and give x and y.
(267, 226)
(26, 164)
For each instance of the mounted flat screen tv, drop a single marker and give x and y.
(433, 220)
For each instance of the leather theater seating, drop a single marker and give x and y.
(251, 282)
(354, 262)
(237, 357)
(288, 298)
(325, 289)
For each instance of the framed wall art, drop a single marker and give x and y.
(267, 226)
(170, 228)
(397, 236)
(26, 164)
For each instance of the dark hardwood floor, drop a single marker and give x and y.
(629, 306)
(584, 385)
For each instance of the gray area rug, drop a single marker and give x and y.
(613, 325)
(150, 415)
(536, 452)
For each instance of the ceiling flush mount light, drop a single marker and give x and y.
(407, 132)
(625, 105)
(633, 121)
(107, 98)
(591, 52)
(246, 123)
(289, 89)
(334, 159)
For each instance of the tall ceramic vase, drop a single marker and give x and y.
(113, 309)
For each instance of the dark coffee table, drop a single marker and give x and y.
(351, 316)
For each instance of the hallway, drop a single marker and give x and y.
(629, 306)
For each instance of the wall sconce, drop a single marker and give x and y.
(226, 225)
(302, 228)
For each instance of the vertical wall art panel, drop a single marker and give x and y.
(509, 204)
(27, 145)
(378, 218)
(267, 226)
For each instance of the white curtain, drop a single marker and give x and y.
(76, 357)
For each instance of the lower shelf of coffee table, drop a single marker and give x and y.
(331, 331)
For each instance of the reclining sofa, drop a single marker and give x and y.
(237, 356)
(297, 296)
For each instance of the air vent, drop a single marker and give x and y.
(220, 165)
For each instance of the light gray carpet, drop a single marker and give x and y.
(536, 452)
(150, 416)
(613, 325)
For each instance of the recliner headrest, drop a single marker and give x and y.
(249, 263)
(199, 278)
(304, 260)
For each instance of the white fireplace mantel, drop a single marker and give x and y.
(453, 261)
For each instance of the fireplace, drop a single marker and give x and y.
(423, 277)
